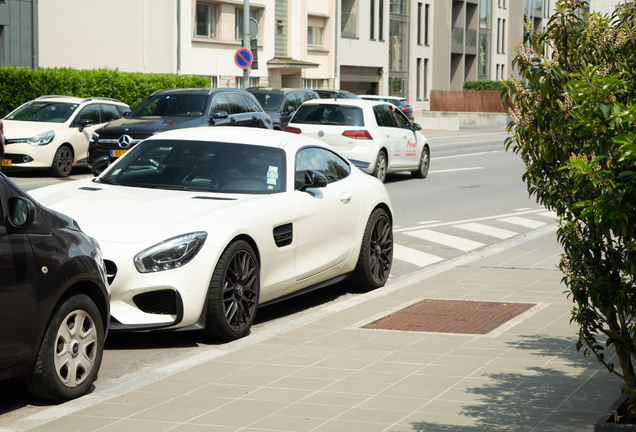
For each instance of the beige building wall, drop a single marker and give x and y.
(422, 51)
(441, 45)
(500, 48)
(91, 34)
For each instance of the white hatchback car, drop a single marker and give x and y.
(54, 131)
(375, 136)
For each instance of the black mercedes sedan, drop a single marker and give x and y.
(170, 109)
(54, 299)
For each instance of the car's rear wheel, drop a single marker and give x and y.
(376, 253)
(71, 352)
(62, 162)
(381, 165)
(233, 293)
(425, 160)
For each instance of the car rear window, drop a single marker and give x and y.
(330, 115)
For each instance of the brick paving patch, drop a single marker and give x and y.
(451, 316)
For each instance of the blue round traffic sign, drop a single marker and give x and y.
(243, 58)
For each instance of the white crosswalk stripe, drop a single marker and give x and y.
(528, 223)
(413, 256)
(446, 239)
(487, 230)
(549, 214)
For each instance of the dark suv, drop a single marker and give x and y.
(175, 109)
(54, 300)
(281, 103)
(336, 94)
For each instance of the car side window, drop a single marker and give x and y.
(109, 113)
(237, 103)
(251, 105)
(325, 162)
(383, 116)
(220, 103)
(403, 122)
(291, 100)
(90, 112)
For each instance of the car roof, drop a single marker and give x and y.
(208, 91)
(74, 99)
(345, 102)
(242, 135)
(376, 97)
(276, 89)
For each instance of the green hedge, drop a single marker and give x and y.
(486, 85)
(19, 84)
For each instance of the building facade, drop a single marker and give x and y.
(19, 33)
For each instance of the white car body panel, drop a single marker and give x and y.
(328, 227)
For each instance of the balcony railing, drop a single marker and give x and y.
(471, 41)
(457, 40)
(537, 8)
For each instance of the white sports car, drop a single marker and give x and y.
(200, 226)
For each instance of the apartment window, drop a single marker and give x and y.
(484, 14)
(502, 72)
(418, 85)
(280, 37)
(497, 76)
(426, 11)
(206, 20)
(381, 20)
(419, 23)
(504, 4)
(238, 22)
(498, 35)
(425, 80)
(503, 36)
(238, 81)
(349, 17)
(372, 17)
(315, 36)
(312, 84)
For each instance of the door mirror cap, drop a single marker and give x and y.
(85, 122)
(100, 164)
(417, 126)
(313, 179)
(22, 212)
(290, 109)
(126, 114)
(219, 114)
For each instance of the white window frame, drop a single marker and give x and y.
(212, 21)
(254, 13)
(322, 37)
(312, 84)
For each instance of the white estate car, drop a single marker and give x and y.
(53, 132)
(199, 226)
(374, 133)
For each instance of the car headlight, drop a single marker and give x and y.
(42, 139)
(171, 253)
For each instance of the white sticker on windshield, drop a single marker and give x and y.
(272, 175)
(273, 169)
(116, 171)
(271, 181)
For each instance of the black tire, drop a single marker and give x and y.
(381, 166)
(62, 162)
(425, 162)
(376, 253)
(233, 293)
(68, 360)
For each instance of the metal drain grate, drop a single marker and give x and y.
(451, 316)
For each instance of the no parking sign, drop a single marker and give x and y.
(243, 58)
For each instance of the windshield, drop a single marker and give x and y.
(330, 115)
(269, 101)
(201, 165)
(171, 105)
(48, 112)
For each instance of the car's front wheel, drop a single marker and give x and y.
(62, 162)
(71, 352)
(381, 166)
(233, 293)
(425, 160)
(376, 253)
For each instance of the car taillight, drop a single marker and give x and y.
(292, 130)
(404, 110)
(358, 134)
(1, 127)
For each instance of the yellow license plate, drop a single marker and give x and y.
(117, 153)
(6, 162)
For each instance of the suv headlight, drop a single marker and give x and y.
(42, 139)
(171, 253)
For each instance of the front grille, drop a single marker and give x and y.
(163, 302)
(111, 271)
(15, 140)
(115, 136)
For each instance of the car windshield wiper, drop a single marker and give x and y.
(325, 122)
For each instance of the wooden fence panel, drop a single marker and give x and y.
(468, 101)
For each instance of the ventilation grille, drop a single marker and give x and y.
(283, 235)
(93, 189)
(163, 302)
(111, 271)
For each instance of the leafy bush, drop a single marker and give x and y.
(574, 126)
(485, 85)
(19, 84)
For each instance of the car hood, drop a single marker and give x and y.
(152, 126)
(14, 129)
(121, 214)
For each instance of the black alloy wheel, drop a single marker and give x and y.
(376, 253)
(425, 160)
(381, 166)
(233, 293)
(62, 162)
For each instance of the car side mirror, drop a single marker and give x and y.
(100, 164)
(126, 114)
(22, 212)
(417, 126)
(219, 114)
(84, 123)
(290, 109)
(313, 179)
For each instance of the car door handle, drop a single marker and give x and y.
(403, 135)
(387, 135)
(232, 119)
(345, 197)
(254, 118)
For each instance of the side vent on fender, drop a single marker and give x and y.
(90, 188)
(283, 235)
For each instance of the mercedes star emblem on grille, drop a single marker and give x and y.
(125, 141)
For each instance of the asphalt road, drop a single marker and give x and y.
(473, 183)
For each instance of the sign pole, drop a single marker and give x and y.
(246, 40)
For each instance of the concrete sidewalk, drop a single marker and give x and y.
(323, 372)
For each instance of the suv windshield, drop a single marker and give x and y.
(50, 112)
(329, 115)
(202, 166)
(171, 105)
(269, 101)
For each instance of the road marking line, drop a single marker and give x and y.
(528, 223)
(523, 209)
(426, 223)
(549, 214)
(462, 155)
(446, 240)
(468, 220)
(412, 256)
(468, 135)
(487, 230)
(457, 169)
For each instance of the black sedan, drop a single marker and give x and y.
(176, 109)
(54, 300)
